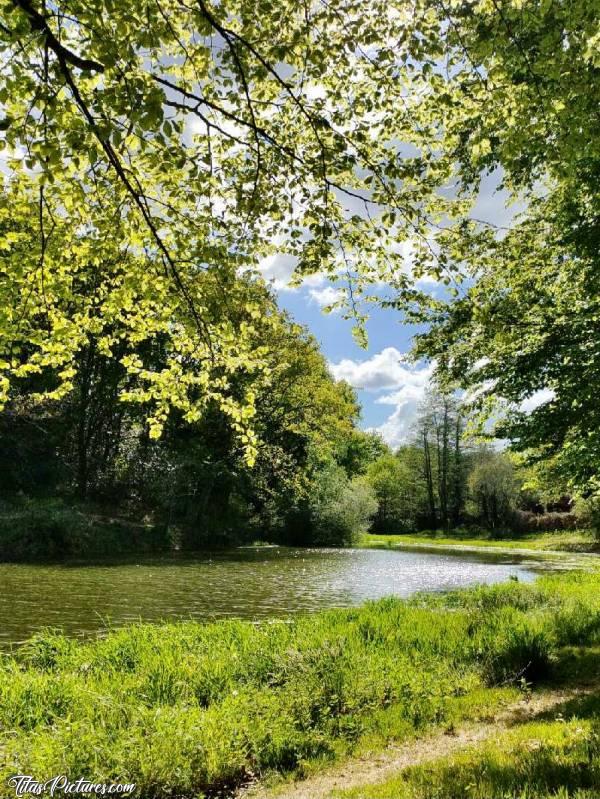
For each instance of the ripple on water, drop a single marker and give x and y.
(249, 583)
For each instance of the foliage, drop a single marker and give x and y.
(520, 96)
(588, 511)
(524, 521)
(195, 480)
(396, 488)
(524, 331)
(358, 450)
(336, 511)
(494, 489)
(439, 438)
(158, 153)
(89, 292)
(191, 708)
(187, 143)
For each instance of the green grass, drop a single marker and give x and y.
(564, 541)
(553, 758)
(190, 709)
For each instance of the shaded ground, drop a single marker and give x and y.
(365, 771)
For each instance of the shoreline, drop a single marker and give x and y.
(488, 549)
(557, 544)
(213, 707)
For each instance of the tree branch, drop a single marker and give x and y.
(39, 23)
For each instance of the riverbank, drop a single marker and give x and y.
(33, 530)
(186, 708)
(390, 773)
(574, 541)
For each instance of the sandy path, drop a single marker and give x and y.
(366, 770)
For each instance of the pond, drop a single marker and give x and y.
(249, 583)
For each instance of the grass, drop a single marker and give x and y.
(564, 541)
(191, 709)
(557, 757)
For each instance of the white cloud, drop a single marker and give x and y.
(536, 399)
(386, 369)
(409, 391)
(389, 369)
(278, 269)
(398, 428)
(326, 296)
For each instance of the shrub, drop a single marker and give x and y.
(337, 511)
(42, 529)
(527, 522)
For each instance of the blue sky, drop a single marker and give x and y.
(377, 372)
(390, 389)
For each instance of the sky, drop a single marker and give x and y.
(389, 388)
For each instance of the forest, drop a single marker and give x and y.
(80, 474)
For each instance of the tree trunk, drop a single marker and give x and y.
(429, 479)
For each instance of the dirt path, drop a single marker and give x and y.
(367, 770)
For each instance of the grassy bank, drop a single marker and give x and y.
(52, 529)
(188, 709)
(553, 756)
(567, 541)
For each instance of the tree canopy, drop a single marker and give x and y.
(189, 140)
(198, 137)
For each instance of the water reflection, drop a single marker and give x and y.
(247, 583)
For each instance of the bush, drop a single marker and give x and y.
(527, 522)
(345, 514)
(337, 511)
(47, 529)
(588, 512)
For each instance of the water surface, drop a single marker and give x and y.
(249, 583)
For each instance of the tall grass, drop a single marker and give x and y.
(186, 709)
(552, 758)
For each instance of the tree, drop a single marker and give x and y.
(439, 430)
(521, 94)
(395, 488)
(358, 450)
(90, 445)
(189, 141)
(75, 289)
(493, 489)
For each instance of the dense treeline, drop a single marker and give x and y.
(83, 475)
(194, 484)
(444, 480)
